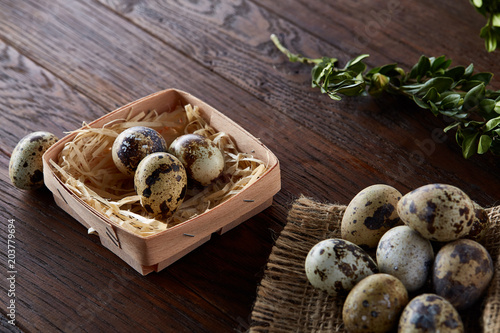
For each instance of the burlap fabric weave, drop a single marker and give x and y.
(286, 302)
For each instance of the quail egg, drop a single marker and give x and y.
(404, 253)
(430, 313)
(202, 159)
(336, 265)
(439, 212)
(26, 165)
(461, 273)
(480, 224)
(370, 214)
(374, 304)
(161, 182)
(133, 144)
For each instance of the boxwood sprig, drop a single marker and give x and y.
(456, 93)
(490, 9)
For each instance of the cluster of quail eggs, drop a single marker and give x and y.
(161, 173)
(409, 262)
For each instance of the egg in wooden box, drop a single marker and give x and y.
(146, 242)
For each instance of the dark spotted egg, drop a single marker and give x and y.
(161, 182)
(26, 166)
(202, 159)
(370, 214)
(336, 265)
(462, 271)
(374, 304)
(439, 212)
(430, 313)
(133, 144)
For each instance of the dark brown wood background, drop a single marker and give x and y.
(65, 62)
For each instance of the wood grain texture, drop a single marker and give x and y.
(64, 62)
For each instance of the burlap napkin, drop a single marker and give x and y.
(286, 302)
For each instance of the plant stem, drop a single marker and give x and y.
(292, 56)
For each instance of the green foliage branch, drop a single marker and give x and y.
(456, 93)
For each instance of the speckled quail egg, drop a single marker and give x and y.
(430, 313)
(439, 212)
(161, 182)
(374, 304)
(133, 144)
(480, 224)
(370, 214)
(26, 165)
(336, 265)
(404, 253)
(202, 159)
(461, 273)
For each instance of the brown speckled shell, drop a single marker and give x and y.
(439, 212)
(430, 313)
(161, 182)
(374, 304)
(480, 224)
(133, 144)
(461, 273)
(336, 265)
(202, 159)
(370, 214)
(26, 166)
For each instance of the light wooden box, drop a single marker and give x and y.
(148, 254)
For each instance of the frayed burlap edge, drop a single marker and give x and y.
(286, 302)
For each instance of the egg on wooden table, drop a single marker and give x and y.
(462, 271)
(133, 144)
(202, 159)
(161, 182)
(430, 313)
(439, 212)
(336, 265)
(26, 165)
(374, 304)
(405, 254)
(370, 214)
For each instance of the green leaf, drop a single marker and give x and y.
(468, 71)
(483, 77)
(420, 69)
(484, 144)
(456, 73)
(477, 3)
(449, 127)
(431, 95)
(469, 139)
(491, 124)
(352, 89)
(474, 97)
(356, 64)
(439, 63)
(441, 84)
(487, 108)
(434, 108)
(467, 85)
(450, 101)
(497, 106)
(420, 102)
(495, 20)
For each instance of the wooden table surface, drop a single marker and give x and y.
(65, 62)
